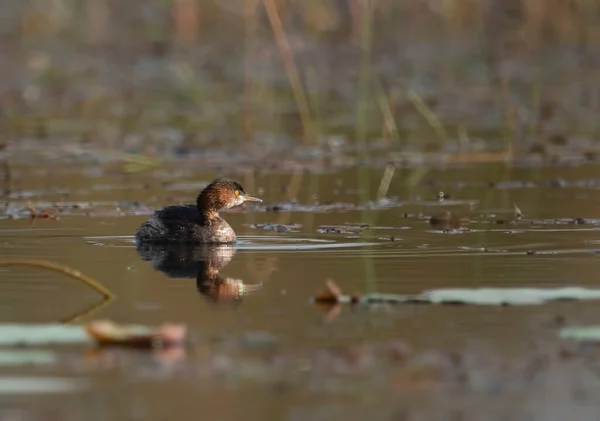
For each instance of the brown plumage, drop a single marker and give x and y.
(200, 223)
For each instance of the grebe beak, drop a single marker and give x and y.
(248, 198)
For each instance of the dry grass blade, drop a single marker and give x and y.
(517, 212)
(428, 114)
(387, 111)
(386, 179)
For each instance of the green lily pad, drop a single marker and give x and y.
(581, 333)
(476, 296)
(38, 385)
(19, 357)
(507, 296)
(30, 334)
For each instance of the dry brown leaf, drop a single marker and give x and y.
(106, 332)
(330, 294)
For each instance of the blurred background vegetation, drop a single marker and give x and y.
(175, 78)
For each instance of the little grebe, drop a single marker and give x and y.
(199, 223)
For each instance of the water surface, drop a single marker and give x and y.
(337, 229)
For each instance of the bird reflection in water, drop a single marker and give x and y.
(200, 261)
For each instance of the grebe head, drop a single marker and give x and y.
(223, 193)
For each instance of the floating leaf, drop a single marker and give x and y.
(38, 385)
(507, 296)
(17, 334)
(479, 296)
(24, 357)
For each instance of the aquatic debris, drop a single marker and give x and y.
(277, 227)
(51, 213)
(108, 333)
(352, 229)
(517, 212)
(332, 294)
(334, 230)
(293, 206)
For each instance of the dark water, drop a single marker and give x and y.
(238, 364)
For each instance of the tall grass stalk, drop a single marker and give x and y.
(361, 129)
(386, 179)
(429, 115)
(387, 111)
(313, 91)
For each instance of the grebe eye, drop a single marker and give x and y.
(237, 192)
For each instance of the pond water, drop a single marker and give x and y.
(270, 352)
